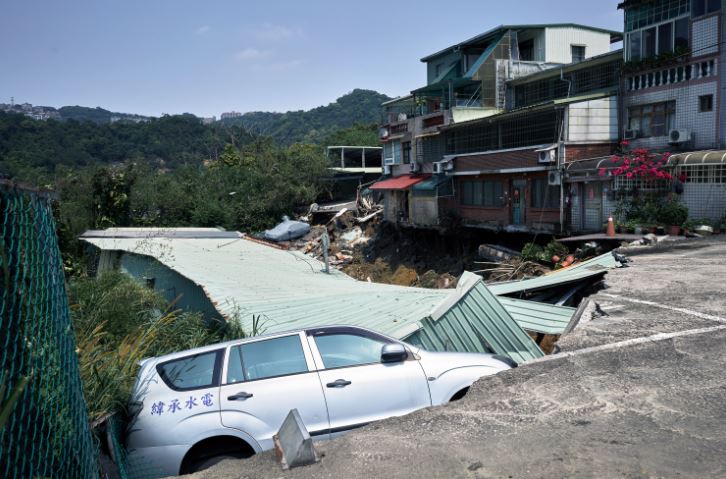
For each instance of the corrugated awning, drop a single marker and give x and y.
(432, 183)
(709, 157)
(402, 182)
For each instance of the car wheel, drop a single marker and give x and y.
(459, 395)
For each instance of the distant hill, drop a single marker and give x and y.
(96, 115)
(312, 126)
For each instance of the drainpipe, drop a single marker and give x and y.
(561, 152)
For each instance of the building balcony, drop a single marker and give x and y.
(671, 75)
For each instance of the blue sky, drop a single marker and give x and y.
(206, 57)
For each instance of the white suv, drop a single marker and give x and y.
(194, 407)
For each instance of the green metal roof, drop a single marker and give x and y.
(289, 290)
(538, 317)
(476, 322)
(614, 35)
(483, 57)
(587, 269)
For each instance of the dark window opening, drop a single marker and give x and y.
(665, 38)
(406, 150)
(705, 103)
(526, 50)
(485, 193)
(681, 34)
(544, 195)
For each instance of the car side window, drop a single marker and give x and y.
(191, 372)
(340, 350)
(265, 359)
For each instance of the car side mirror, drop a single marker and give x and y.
(393, 353)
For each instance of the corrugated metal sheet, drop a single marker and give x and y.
(289, 291)
(593, 267)
(477, 322)
(538, 317)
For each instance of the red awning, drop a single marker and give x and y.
(402, 182)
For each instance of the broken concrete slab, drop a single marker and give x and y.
(293, 444)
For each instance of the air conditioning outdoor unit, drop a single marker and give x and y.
(554, 178)
(631, 134)
(547, 156)
(386, 169)
(678, 136)
(415, 167)
(389, 161)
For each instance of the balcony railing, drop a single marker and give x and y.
(671, 74)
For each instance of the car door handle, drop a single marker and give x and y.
(338, 383)
(240, 395)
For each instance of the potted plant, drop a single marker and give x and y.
(673, 213)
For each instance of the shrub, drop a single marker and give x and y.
(118, 322)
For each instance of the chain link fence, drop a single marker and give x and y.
(44, 428)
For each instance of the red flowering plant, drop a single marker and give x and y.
(639, 163)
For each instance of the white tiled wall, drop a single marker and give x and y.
(705, 36)
(703, 125)
(594, 120)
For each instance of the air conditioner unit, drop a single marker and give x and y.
(678, 136)
(547, 156)
(631, 134)
(554, 178)
(386, 169)
(389, 161)
(415, 167)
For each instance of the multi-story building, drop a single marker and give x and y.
(672, 101)
(499, 115)
(671, 78)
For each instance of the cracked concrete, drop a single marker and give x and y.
(651, 409)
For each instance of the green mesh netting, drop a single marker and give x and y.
(44, 429)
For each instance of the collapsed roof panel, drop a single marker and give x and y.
(587, 269)
(289, 290)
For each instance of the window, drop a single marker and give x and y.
(341, 350)
(578, 53)
(656, 119)
(544, 195)
(437, 69)
(397, 152)
(266, 359)
(643, 14)
(663, 38)
(681, 34)
(705, 103)
(406, 152)
(648, 43)
(634, 46)
(526, 50)
(191, 372)
(482, 193)
(702, 7)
